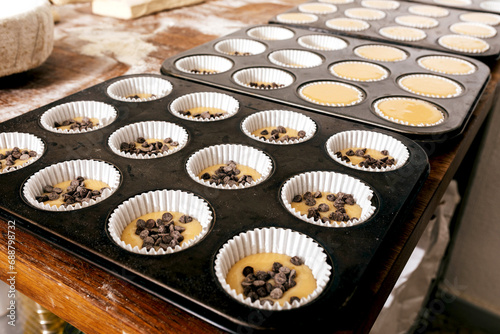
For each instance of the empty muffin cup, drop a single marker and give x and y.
(360, 140)
(324, 184)
(322, 42)
(148, 140)
(263, 78)
(156, 203)
(295, 126)
(78, 117)
(30, 150)
(273, 243)
(139, 89)
(270, 33)
(295, 58)
(204, 106)
(204, 64)
(229, 166)
(240, 47)
(102, 176)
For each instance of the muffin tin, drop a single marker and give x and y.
(187, 278)
(457, 109)
(372, 32)
(489, 6)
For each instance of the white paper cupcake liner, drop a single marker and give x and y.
(394, 120)
(493, 6)
(304, 18)
(70, 170)
(148, 130)
(337, 2)
(385, 75)
(361, 95)
(240, 45)
(380, 4)
(159, 87)
(9, 140)
(295, 58)
(446, 39)
(430, 11)
(262, 74)
(155, 201)
(222, 154)
(373, 14)
(105, 113)
(368, 139)
(333, 24)
(491, 31)
(385, 31)
(213, 64)
(273, 240)
(471, 66)
(270, 33)
(286, 118)
(405, 20)
(454, 3)
(357, 52)
(458, 87)
(322, 42)
(485, 18)
(207, 100)
(313, 8)
(330, 182)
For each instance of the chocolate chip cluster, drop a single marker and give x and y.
(162, 233)
(146, 148)
(275, 134)
(196, 71)
(272, 85)
(15, 154)
(338, 200)
(369, 161)
(202, 115)
(227, 175)
(268, 285)
(84, 124)
(75, 193)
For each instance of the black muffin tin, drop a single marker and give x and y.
(430, 42)
(187, 278)
(475, 5)
(458, 109)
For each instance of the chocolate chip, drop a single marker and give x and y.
(277, 293)
(247, 270)
(323, 207)
(310, 201)
(297, 261)
(301, 134)
(276, 267)
(297, 199)
(185, 219)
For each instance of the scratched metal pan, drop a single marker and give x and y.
(457, 110)
(187, 278)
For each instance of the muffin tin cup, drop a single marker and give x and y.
(458, 88)
(385, 31)
(273, 240)
(157, 87)
(67, 171)
(104, 112)
(398, 121)
(268, 75)
(322, 42)
(428, 11)
(485, 6)
(270, 33)
(305, 18)
(469, 64)
(377, 14)
(368, 139)
(383, 77)
(197, 64)
(9, 140)
(444, 41)
(222, 154)
(403, 20)
(329, 182)
(360, 98)
(380, 4)
(221, 101)
(333, 24)
(240, 45)
(295, 58)
(309, 8)
(148, 130)
(491, 31)
(159, 201)
(274, 118)
(485, 18)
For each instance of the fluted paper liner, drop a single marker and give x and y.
(105, 113)
(240, 45)
(283, 18)
(361, 95)
(356, 52)
(327, 8)
(222, 154)
(493, 6)
(322, 42)
(263, 74)
(270, 33)
(286, 118)
(159, 87)
(368, 139)
(387, 4)
(442, 41)
(434, 11)
(394, 120)
(70, 170)
(148, 130)
(273, 240)
(330, 182)
(155, 201)
(216, 64)
(458, 87)
(472, 66)
(332, 71)
(337, 2)
(331, 24)
(402, 21)
(9, 140)
(488, 18)
(384, 32)
(377, 14)
(295, 58)
(207, 100)
(491, 31)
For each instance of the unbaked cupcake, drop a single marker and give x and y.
(331, 93)
(337, 2)
(265, 78)
(462, 43)
(160, 222)
(454, 3)
(272, 256)
(317, 8)
(347, 24)
(485, 18)
(204, 64)
(205, 106)
(380, 52)
(447, 65)
(364, 13)
(409, 111)
(359, 71)
(322, 42)
(240, 47)
(295, 58)
(473, 29)
(139, 89)
(403, 33)
(380, 4)
(18, 150)
(416, 21)
(430, 85)
(430, 11)
(297, 18)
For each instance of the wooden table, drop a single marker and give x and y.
(92, 299)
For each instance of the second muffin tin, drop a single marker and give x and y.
(488, 6)
(458, 109)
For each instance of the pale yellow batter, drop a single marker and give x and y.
(316, 8)
(447, 65)
(473, 29)
(95, 121)
(306, 283)
(380, 4)
(486, 18)
(88, 183)
(332, 93)
(467, 44)
(347, 24)
(193, 228)
(403, 33)
(296, 17)
(364, 13)
(381, 53)
(413, 111)
(417, 21)
(17, 162)
(432, 11)
(353, 211)
(359, 71)
(430, 86)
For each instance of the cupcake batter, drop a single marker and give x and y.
(430, 85)
(411, 111)
(332, 93)
(447, 65)
(381, 53)
(359, 71)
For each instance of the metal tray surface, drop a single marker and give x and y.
(487, 6)
(187, 278)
